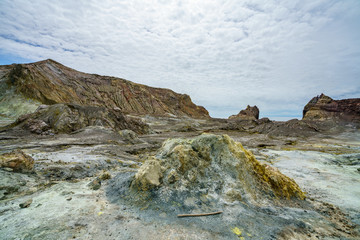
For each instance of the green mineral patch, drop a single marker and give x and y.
(237, 231)
(13, 105)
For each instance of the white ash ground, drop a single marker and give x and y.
(66, 207)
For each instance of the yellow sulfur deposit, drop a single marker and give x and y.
(216, 165)
(237, 231)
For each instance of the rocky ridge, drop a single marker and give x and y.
(49, 82)
(321, 108)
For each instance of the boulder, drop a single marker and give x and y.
(149, 175)
(36, 126)
(250, 113)
(17, 160)
(129, 136)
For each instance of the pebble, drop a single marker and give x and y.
(26, 204)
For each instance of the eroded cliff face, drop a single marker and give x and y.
(49, 82)
(325, 108)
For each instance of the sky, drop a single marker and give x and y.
(225, 54)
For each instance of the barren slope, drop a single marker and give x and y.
(49, 82)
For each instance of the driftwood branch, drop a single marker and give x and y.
(199, 214)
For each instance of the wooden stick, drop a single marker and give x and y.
(199, 214)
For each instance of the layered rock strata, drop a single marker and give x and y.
(322, 108)
(49, 82)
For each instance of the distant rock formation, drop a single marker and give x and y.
(67, 118)
(290, 128)
(322, 108)
(49, 82)
(250, 113)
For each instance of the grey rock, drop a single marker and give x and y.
(26, 204)
(95, 184)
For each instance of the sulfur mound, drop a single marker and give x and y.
(211, 168)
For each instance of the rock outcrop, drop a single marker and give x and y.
(67, 118)
(250, 113)
(49, 82)
(215, 167)
(322, 108)
(290, 128)
(12, 104)
(17, 160)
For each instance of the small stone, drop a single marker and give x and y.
(26, 204)
(69, 199)
(119, 217)
(64, 193)
(95, 184)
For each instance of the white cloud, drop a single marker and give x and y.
(224, 54)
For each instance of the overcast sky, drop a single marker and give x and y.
(224, 54)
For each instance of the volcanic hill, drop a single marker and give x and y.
(49, 82)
